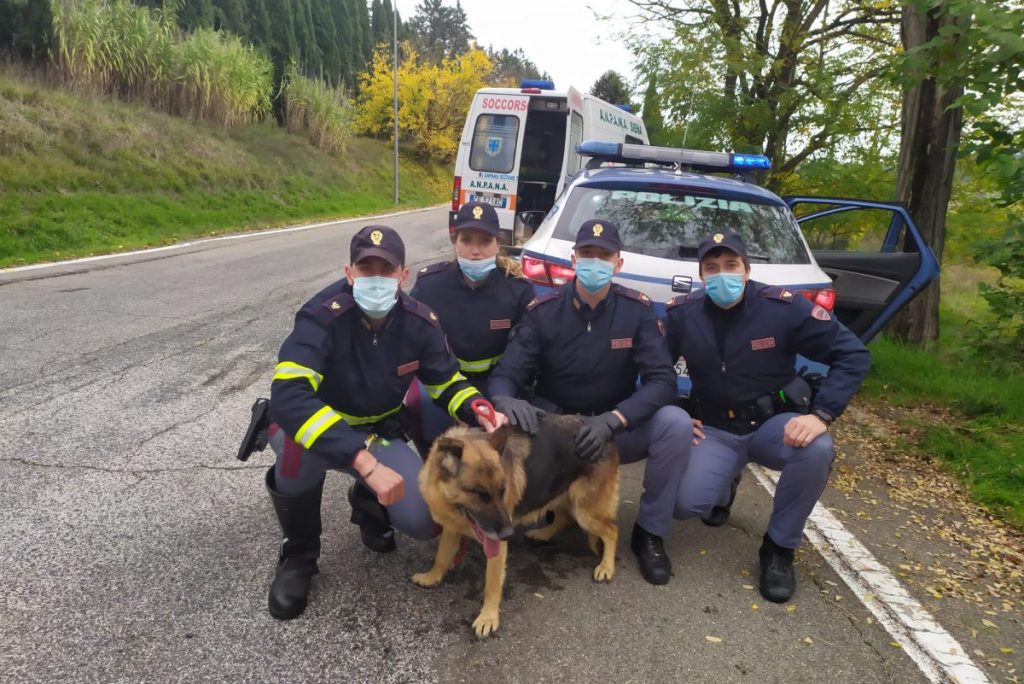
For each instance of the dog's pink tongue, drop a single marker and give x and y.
(491, 546)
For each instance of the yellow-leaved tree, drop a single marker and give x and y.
(432, 99)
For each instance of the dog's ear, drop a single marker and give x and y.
(499, 438)
(451, 454)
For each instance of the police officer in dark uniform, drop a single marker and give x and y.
(740, 339)
(479, 297)
(336, 401)
(585, 344)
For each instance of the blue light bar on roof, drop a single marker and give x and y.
(625, 107)
(537, 83)
(696, 159)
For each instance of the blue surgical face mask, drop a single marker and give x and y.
(725, 289)
(594, 273)
(477, 269)
(375, 295)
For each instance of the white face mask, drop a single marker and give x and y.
(477, 269)
(375, 295)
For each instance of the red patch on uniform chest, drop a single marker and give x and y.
(763, 343)
(623, 343)
(501, 324)
(407, 368)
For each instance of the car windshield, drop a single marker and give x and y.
(670, 222)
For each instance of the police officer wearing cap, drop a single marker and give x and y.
(479, 296)
(336, 400)
(740, 339)
(585, 344)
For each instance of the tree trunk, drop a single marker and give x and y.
(928, 146)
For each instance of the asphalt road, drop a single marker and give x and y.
(134, 547)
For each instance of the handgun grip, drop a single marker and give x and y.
(256, 434)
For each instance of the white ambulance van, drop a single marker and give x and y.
(518, 148)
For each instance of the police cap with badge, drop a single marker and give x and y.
(599, 233)
(726, 239)
(477, 216)
(378, 241)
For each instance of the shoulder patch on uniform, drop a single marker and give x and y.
(420, 309)
(338, 305)
(821, 313)
(681, 300)
(778, 293)
(632, 294)
(547, 297)
(433, 268)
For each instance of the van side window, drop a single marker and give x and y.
(575, 138)
(494, 143)
(633, 140)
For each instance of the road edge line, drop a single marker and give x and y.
(935, 651)
(217, 238)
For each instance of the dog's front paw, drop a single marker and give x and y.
(427, 579)
(604, 573)
(486, 624)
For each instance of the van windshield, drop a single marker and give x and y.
(670, 223)
(494, 143)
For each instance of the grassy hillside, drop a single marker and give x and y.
(81, 175)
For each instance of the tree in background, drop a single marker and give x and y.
(439, 32)
(25, 29)
(511, 67)
(611, 87)
(433, 98)
(653, 121)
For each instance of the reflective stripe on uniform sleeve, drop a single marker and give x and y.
(458, 399)
(364, 420)
(286, 370)
(481, 366)
(436, 391)
(316, 426)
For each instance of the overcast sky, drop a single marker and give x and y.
(563, 37)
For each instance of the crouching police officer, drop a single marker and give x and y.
(479, 296)
(585, 344)
(334, 402)
(740, 339)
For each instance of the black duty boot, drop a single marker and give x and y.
(778, 578)
(299, 516)
(655, 565)
(374, 526)
(719, 515)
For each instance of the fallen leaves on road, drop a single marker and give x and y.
(808, 640)
(714, 639)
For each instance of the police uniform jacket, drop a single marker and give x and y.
(336, 376)
(587, 360)
(477, 320)
(762, 337)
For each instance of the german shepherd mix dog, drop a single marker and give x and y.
(483, 486)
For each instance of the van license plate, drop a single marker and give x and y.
(496, 201)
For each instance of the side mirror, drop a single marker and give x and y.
(525, 224)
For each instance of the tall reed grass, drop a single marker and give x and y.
(140, 55)
(312, 107)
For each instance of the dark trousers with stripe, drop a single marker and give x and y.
(297, 471)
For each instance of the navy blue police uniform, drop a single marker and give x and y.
(742, 363)
(338, 389)
(586, 360)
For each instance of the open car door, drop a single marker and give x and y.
(873, 252)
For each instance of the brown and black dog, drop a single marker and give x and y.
(483, 486)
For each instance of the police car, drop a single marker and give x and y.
(869, 258)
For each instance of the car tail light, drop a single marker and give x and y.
(825, 298)
(530, 91)
(542, 272)
(456, 192)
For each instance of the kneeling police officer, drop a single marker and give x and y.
(740, 339)
(336, 403)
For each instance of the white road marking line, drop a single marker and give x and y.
(939, 656)
(220, 238)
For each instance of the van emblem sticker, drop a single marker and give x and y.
(493, 146)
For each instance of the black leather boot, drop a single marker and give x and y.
(778, 578)
(719, 515)
(299, 516)
(655, 565)
(374, 525)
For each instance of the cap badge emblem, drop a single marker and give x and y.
(376, 237)
(598, 229)
(718, 238)
(478, 212)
